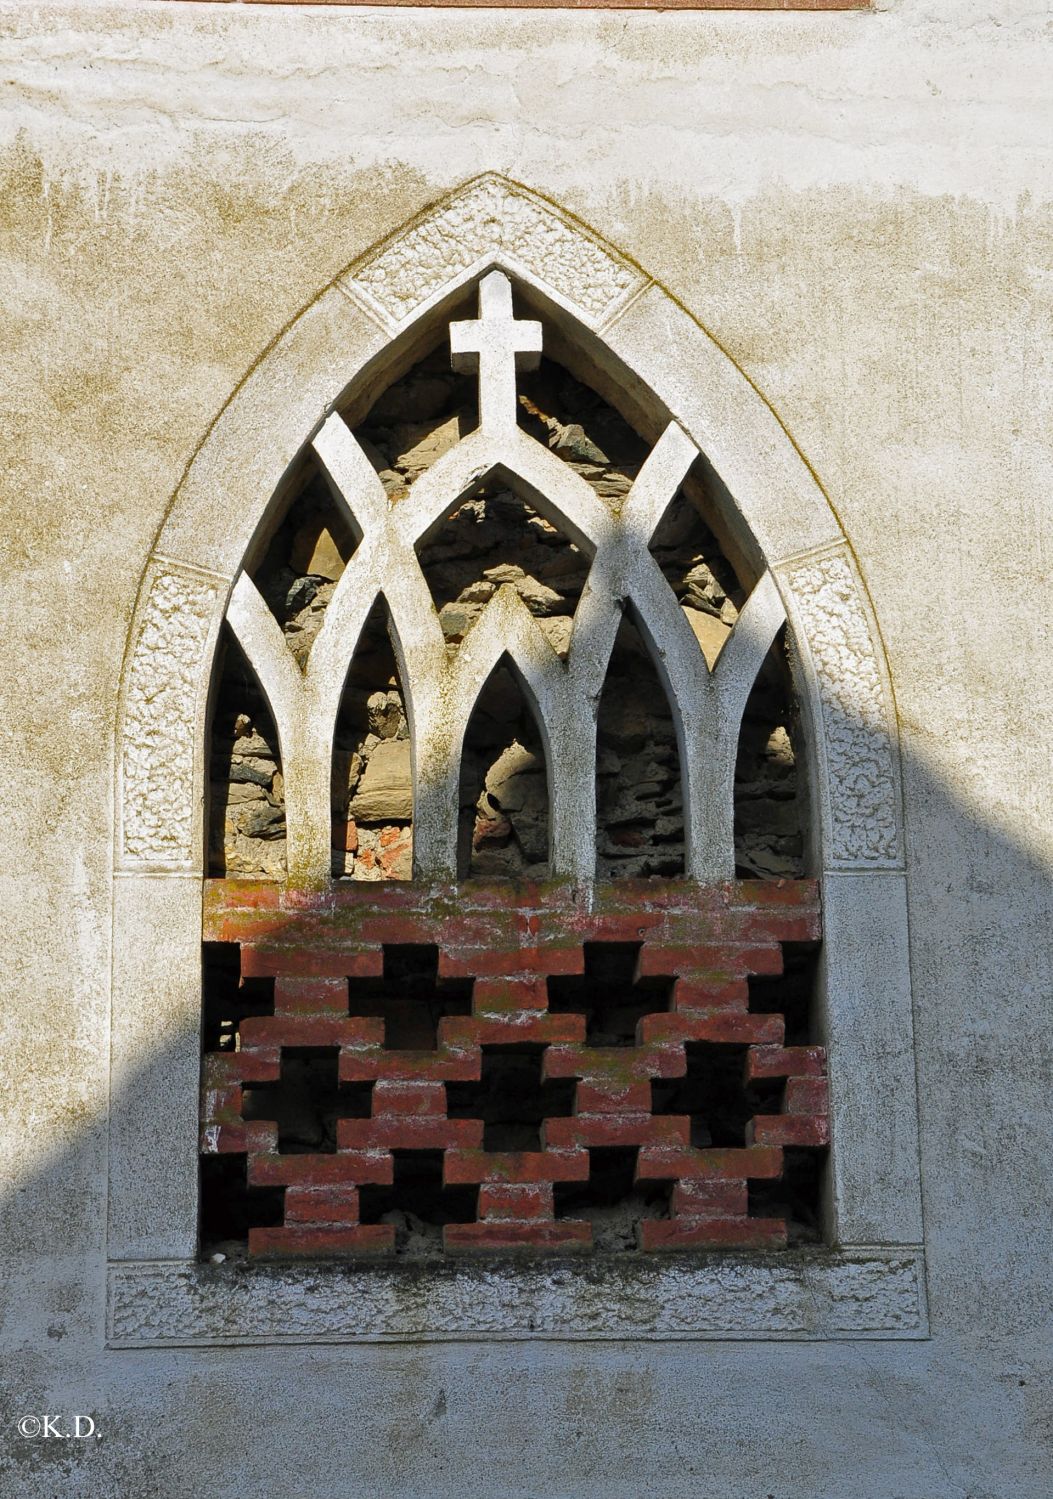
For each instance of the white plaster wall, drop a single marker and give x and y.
(857, 206)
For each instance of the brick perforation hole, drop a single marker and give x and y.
(610, 993)
(307, 1100)
(512, 1098)
(417, 1203)
(402, 1075)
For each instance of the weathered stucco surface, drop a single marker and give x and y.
(857, 207)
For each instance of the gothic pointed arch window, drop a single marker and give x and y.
(540, 824)
(493, 649)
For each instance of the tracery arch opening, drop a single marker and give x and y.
(504, 829)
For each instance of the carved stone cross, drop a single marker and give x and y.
(496, 345)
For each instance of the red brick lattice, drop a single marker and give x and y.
(707, 942)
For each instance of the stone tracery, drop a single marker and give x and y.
(441, 688)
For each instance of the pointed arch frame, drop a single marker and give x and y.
(341, 342)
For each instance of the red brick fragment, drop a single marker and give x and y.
(312, 1242)
(786, 1061)
(659, 1162)
(712, 1233)
(806, 1095)
(337, 1205)
(346, 1167)
(406, 1133)
(310, 996)
(489, 830)
(514, 1167)
(701, 1198)
(568, 1236)
(521, 1203)
(612, 1096)
(396, 852)
(397, 1098)
(789, 1129)
(344, 835)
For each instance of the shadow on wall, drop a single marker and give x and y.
(985, 1050)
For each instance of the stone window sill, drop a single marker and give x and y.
(813, 1295)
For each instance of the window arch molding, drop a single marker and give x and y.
(639, 341)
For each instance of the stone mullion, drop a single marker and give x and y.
(304, 751)
(731, 682)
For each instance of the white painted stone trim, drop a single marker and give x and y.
(288, 398)
(863, 1294)
(865, 1001)
(163, 713)
(493, 221)
(843, 663)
